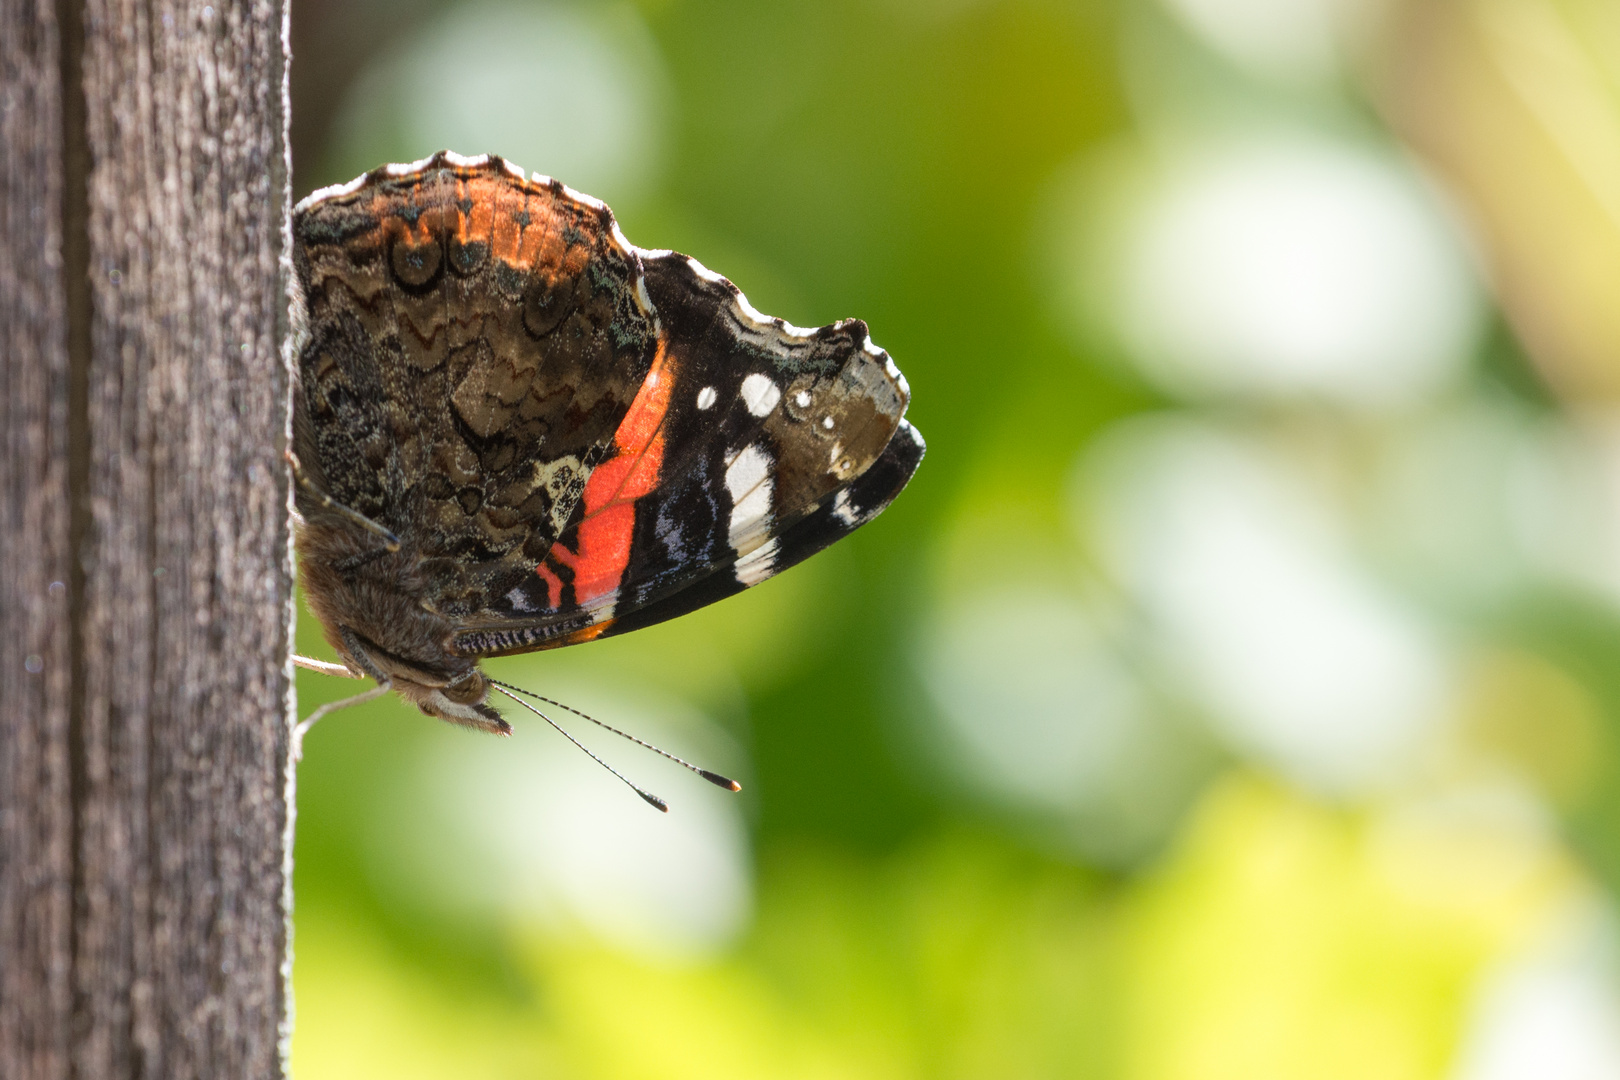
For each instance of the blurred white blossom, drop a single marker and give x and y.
(1258, 606)
(1290, 266)
(531, 830)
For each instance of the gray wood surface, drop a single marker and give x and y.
(146, 581)
(35, 813)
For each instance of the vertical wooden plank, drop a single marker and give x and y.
(180, 929)
(145, 593)
(35, 653)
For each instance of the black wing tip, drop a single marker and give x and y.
(874, 490)
(905, 450)
(909, 430)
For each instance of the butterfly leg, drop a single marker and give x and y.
(340, 670)
(363, 660)
(330, 707)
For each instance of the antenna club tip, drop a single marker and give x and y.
(719, 781)
(655, 802)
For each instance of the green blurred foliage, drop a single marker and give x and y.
(955, 958)
(895, 160)
(885, 160)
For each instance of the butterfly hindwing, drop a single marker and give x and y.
(472, 340)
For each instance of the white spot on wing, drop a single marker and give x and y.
(842, 511)
(757, 565)
(747, 470)
(603, 607)
(748, 479)
(839, 464)
(802, 399)
(706, 397)
(827, 422)
(519, 600)
(750, 516)
(760, 394)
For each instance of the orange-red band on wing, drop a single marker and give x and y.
(605, 532)
(554, 586)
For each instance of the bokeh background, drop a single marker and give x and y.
(1235, 692)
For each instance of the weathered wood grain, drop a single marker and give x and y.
(35, 654)
(142, 776)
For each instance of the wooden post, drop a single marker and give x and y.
(145, 578)
(36, 816)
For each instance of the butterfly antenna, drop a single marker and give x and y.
(651, 799)
(712, 777)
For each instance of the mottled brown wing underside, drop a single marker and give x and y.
(474, 340)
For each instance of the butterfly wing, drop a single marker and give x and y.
(469, 342)
(828, 522)
(571, 436)
(751, 445)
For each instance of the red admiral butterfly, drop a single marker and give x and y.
(513, 430)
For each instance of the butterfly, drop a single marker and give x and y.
(514, 430)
